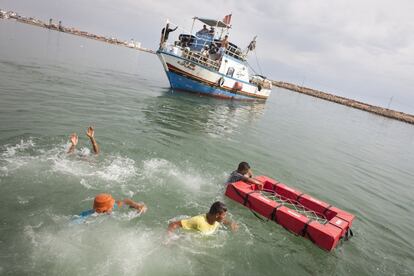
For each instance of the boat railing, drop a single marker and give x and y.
(235, 52)
(200, 59)
(198, 42)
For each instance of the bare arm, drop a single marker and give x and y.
(251, 180)
(91, 133)
(74, 141)
(255, 181)
(173, 225)
(233, 226)
(132, 204)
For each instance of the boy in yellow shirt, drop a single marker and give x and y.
(205, 223)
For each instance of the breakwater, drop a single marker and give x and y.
(401, 116)
(71, 30)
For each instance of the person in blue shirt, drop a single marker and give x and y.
(244, 173)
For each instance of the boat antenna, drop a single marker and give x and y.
(257, 61)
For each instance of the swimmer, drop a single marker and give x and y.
(205, 223)
(105, 203)
(245, 174)
(90, 132)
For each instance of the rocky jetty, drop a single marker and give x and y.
(408, 118)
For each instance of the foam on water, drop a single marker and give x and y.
(162, 172)
(53, 159)
(96, 247)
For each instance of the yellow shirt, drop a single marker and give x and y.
(200, 223)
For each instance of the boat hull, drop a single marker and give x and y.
(190, 76)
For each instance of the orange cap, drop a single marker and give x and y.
(103, 203)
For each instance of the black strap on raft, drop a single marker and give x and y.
(326, 209)
(246, 201)
(273, 215)
(349, 234)
(246, 198)
(299, 196)
(305, 233)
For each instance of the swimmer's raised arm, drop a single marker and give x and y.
(74, 141)
(91, 133)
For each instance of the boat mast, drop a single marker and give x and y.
(192, 26)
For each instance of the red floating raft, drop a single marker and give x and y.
(320, 222)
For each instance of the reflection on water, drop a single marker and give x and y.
(177, 113)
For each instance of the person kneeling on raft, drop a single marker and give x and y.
(105, 203)
(206, 223)
(245, 174)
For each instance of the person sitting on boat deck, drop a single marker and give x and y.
(245, 174)
(90, 132)
(224, 44)
(165, 32)
(204, 30)
(205, 223)
(105, 203)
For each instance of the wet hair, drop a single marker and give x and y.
(243, 167)
(217, 208)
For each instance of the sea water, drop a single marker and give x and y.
(173, 151)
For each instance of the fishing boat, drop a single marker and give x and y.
(302, 214)
(206, 62)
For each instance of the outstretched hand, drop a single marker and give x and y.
(234, 226)
(74, 139)
(142, 209)
(90, 132)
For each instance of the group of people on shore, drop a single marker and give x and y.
(206, 223)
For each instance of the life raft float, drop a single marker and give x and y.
(320, 222)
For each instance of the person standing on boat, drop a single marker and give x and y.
(90, 132)
(205, 223)
(165, 33)
(224, 44)
(204, 30)
(245, 174)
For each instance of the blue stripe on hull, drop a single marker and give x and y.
(182, 83)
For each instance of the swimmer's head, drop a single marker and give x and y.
(218, 210)
(243, 168)
(103, 203)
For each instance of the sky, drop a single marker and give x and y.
(363, 50)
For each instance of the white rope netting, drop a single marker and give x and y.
(296, 206)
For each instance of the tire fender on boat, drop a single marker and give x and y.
(220, 81)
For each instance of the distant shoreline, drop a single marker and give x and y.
(401, 116)
(70, 30)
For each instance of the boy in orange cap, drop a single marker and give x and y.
(105, 203)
